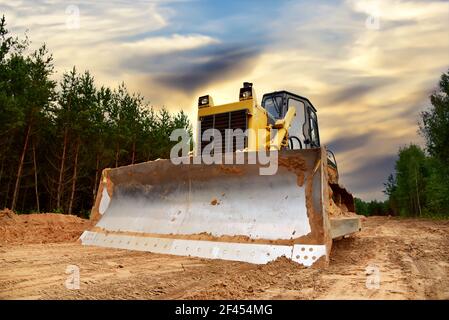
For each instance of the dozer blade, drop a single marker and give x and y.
(229, 212)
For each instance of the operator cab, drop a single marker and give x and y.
(303, 133)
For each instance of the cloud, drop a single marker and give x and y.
(219, 65)
(397, 10)
(349, 143)
(355, 92)
(168, 44)
(371, 175)
(98, 43)
(98, 21)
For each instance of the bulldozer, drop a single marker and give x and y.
(226, 209)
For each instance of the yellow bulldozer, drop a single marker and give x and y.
(229, 208)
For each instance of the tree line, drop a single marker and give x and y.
(419, 185)
(372, 208)
(56, 137)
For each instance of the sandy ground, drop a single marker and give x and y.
(410, 258)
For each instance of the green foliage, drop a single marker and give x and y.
(435, 129)
(372, 208)
(410, 180)
(420, 186)
(76, 129)
(435, 123)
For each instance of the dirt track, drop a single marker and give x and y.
(412, 257)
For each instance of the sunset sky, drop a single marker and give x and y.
(367, 66)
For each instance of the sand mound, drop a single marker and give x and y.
(40, 227)
(256, 279)
(6, 215)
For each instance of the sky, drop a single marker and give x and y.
(368, 66)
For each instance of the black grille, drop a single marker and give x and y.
(221, 122)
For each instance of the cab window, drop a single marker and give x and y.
(273, 105)
(296, 132)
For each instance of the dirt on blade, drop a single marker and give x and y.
(411, 257)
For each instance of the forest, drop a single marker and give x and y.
(56, 137)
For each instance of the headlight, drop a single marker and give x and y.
(246, 92)
(205, 101)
